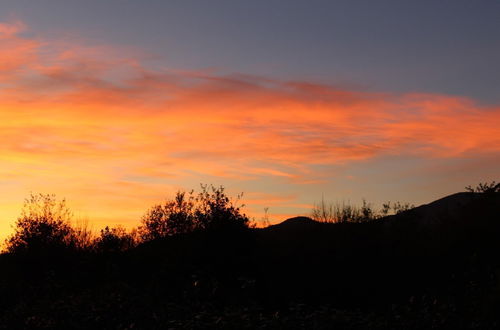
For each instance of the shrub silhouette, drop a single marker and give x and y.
(173, 217)
(115, 239)
(214, 209)
(82, 235)
(210, 209)
(484, 188)
(395, 208)
(44, 224)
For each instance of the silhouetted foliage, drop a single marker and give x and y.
(395, 208)
(265, 218)
(484, 188)
(214, 209)
(435, 267)
(346, 212)
(44, 224)
(335, 212)
(210, 209)
(83, 237)
(115, 239)
(173, 217)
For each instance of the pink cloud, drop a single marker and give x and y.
(84, 114)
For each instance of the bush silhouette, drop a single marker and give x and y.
(173, 217)
(484, 188)
(115, 239)
(214, 209)
(210, 209)
(44, 224)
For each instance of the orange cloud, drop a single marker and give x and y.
(104, 129)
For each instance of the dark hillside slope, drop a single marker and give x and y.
(446, 209)
(437, 249)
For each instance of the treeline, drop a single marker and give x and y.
(45, 223)
(195, 262)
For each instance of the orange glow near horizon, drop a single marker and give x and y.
(113, 136)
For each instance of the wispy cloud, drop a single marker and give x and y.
(75, 118)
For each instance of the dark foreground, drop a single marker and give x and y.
(434, 267)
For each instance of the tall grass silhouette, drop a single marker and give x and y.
(344, 212)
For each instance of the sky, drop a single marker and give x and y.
(115, 105)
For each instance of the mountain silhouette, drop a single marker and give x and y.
(446, 209)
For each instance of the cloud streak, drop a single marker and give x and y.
(75, 118)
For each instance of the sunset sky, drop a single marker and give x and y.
(117, 104)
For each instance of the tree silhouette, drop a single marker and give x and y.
(44, 224)
(210, 209)
(115, 239)
(173, 217)
(214, 209)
